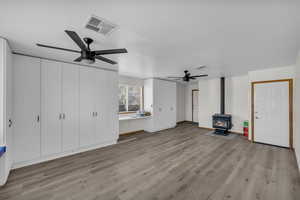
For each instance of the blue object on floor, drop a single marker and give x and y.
(2, 150)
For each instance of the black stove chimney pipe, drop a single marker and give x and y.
(222, 95)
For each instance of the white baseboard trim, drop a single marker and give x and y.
(63, 154)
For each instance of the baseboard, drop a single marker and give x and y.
(131, 132)
(180, 122)
(63, 154)
(211, 129)
(207, 128)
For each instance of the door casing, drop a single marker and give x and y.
(290, 81)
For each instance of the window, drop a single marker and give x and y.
(130, 98)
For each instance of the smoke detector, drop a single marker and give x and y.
(100, 25)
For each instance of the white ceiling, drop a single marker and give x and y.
(163, 37)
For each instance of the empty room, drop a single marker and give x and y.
(149, 100)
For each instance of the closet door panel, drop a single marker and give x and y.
(87, 106)
(51, 107)
(70, 106)
(112, 105)
(26, 108)
(102, 102)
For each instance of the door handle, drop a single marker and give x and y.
(9, 123)
(60, 116)
(256, 117)
(64, 116)
(38, 118)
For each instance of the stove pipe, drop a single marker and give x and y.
(222, 95)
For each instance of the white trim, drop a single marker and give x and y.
(63, 154)
(96, 67)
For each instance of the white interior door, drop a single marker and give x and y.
(70, 106)
(87, 106)
(271, 113)
(51, 140)
(195, 106)
(26, 109)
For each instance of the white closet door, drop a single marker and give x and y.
(87, 106)
(271, 113)
(26, 108)
(51, 107)
(70, 106)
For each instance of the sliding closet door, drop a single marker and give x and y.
(87, 106)
(70, 106)
(26, 108)
(51, 107)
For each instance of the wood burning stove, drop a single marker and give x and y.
(222, 122)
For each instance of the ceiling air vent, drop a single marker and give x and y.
(100, 25)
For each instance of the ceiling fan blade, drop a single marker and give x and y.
(105, 60)
(202, 75)
(78, 59)
(110, 51)
(174, 77)
(73, 35)
(59, 48)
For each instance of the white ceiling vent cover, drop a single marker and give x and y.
(100, 25)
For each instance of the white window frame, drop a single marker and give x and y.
(141, 99)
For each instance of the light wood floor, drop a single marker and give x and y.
(181, 163)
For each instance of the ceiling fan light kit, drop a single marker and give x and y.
(87, 56)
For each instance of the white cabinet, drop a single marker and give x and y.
(160, 98)
(87, 107)
(61, 108)
(51, 140)
(6, 124)
(26, 108)
(98, 106)
(70, 106)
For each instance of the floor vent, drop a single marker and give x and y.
(100, 25)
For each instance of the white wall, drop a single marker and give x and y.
(188, 100)
(209, 101)
(236, 102)
(130, 80)
(180, 107)
(297, 111)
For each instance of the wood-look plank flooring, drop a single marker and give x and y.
(181, 163)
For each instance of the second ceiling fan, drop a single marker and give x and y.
(187, 76)
(87, 55)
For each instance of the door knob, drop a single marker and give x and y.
(256, 117)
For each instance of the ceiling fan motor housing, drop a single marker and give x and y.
(88, 55)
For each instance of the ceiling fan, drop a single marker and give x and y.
(87, 55)
(187, 76)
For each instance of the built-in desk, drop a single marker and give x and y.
(132, 123)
